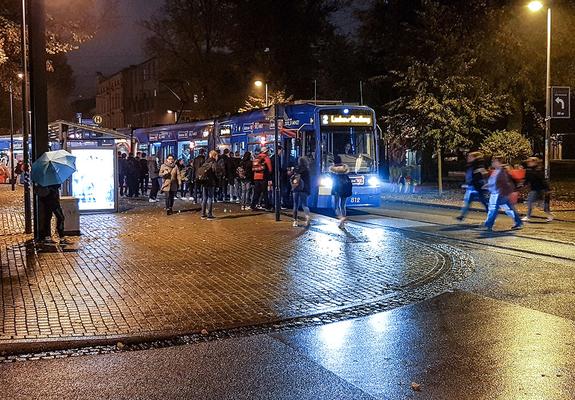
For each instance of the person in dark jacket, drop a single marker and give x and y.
(475, 180)
(132, 175)
(341, 189)
(500, 186)
(122, 172)
(538, 188)
(154, 174)
(49, 196)
(199, 160)
(144, 177)
(246, 179)
(209, 185)
(233, 180)
(300, 183)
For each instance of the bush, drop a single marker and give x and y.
(511, 145)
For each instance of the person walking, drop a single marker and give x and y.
(144, 175)
(237, 181)
(183, 187)
(475, 180)
(154, 174)
(538, 188)
(207, 176)
(199, 160)
(262, 169)
(246, 178)
(300, 183)
(170, 172)
(500, 186)
(341, 189)
(49, 197)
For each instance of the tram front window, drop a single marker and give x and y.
(354, 145)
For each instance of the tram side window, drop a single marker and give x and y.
(309, 145)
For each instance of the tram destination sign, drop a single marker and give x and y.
(346, 120)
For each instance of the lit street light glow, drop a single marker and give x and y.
(535, 6)
(258, 83)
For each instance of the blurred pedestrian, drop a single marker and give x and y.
(132, 175)
(501, 185)
(539, 189)
(300, 184)
(341, 189)
(170, 172)
(246, 178)
(154, 174)
(183, 187)
(475, 180)
(122, 172)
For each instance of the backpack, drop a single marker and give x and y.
(258, 165)
(204, 172)
(241, 172)
(220, 168)
(297, 183)
(505, 183)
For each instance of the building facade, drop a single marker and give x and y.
(137, 97)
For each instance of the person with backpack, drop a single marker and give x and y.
(207, 177)
(500, 186)
(154, 174)
(199, 160)
(300, 183)
(538, 188)
(341, 189)
(475, 176)
(262, 169)
(170, 172)
(246, 179)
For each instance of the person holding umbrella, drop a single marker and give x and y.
(49, 171)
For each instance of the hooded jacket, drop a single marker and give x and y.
(266, 173)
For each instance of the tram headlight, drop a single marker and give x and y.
(373, 181)
(326, 181)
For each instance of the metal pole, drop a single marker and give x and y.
(12, 138)
(315, 91)
(439, 169)
(276, 165)
(267, 101)
(360, 93)
(548, 101)
(38, 93)
(25, 146)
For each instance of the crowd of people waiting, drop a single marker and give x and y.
(224, 176)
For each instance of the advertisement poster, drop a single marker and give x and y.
(93, 183)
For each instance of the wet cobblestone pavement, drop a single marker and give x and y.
(140, 272)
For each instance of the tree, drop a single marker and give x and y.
(511, 145)
(274, 97)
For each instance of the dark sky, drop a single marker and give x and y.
(121, 44)
(115, 48)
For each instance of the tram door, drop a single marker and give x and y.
(168, 148)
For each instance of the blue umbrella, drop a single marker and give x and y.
(53, 168)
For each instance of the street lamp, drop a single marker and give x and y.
(259, 84)
(12, 137)
(537, 6)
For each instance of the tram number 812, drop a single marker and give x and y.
(355, 200)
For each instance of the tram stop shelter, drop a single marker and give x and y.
(94, 185)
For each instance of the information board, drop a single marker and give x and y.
(94, 182)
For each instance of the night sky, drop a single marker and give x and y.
(114, 48)
(121, 45)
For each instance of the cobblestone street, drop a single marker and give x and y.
(141, 272)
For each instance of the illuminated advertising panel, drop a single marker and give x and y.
(94, 182)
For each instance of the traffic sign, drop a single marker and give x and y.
(97, 119)
(560, 102)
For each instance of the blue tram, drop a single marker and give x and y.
(317, 131)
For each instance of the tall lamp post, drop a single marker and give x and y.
(536, 6)
(12, 137)
(25, 125)
(259, 84)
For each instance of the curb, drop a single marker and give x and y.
(452, 207)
